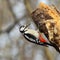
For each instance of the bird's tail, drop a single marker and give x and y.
(54, 45)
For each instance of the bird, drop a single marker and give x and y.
(36, 37)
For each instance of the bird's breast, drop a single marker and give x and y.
(32, 32)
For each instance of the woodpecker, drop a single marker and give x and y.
(36, 37)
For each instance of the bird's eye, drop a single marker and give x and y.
(22, 29)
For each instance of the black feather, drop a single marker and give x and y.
(33, 39)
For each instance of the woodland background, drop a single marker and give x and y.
(13, 45)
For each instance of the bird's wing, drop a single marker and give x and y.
(30, 37)
(33, 39)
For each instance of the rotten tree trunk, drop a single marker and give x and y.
(47, 20)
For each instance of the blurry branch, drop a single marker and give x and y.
(1, 14)
(49, 54)
(10, 8)
(16, 21)
(28, 6)
(21, 50)
(4, 14)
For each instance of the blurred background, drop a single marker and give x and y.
(13, 45)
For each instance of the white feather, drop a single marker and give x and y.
(33, 32)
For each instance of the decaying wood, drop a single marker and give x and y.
(48, 20)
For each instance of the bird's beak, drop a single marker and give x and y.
(27, 25)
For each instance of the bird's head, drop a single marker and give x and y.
(23, 28)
